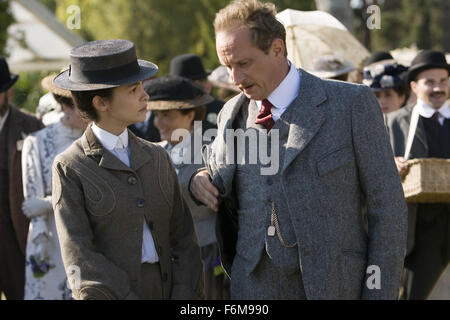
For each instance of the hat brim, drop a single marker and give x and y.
(179, 104)
(47, 84)
(416, 69)
(331, 74)
(147, 70)
(10, 83)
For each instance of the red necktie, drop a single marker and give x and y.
(265, 115)
(436, 117)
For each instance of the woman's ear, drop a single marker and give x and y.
(99, 104)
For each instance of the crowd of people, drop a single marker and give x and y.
(108, 194)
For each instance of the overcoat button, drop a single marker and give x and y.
(140, 203)
(132, 180)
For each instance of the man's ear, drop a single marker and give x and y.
(278, 47)
(99, 104)
(413, 86)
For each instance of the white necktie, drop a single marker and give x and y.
(121, 152)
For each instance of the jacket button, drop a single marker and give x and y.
(132, 180)
(269, 181)
(140, 203)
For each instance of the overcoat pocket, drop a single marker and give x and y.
(334, 160)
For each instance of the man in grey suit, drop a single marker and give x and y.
(300, 231)
(428, 249)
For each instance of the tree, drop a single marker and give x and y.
(6, 19)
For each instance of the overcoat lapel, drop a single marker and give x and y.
(306, 118)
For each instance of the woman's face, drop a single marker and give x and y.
(127, 105)
(389, 100)
(168, 121)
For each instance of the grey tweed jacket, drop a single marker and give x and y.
(337, 153)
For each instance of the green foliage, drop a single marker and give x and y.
(28, 90)
(6, 19)
(408, 22)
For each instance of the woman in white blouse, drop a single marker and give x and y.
(45, 277)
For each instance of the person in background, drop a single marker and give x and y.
(190, 66)
(123, 225)
(331, 67)
(177, 103)
(15, 125)
(220, 78)
(428, 249)
(387, 79)
(45, 277)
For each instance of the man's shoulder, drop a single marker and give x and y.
(400, 114)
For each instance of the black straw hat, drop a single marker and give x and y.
(189, 66)
(173, 92)
(427, 59)
(7, 79)
(104, 64)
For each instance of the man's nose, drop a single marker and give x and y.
(236, 76)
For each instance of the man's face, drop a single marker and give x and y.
(256, 73)
(431, 86)
(4, 101)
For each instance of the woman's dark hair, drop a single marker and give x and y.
(200, 113)
(63, 100)
(83, 101)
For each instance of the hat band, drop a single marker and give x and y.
(106, 75)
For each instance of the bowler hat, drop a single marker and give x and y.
(189, 66)
(104, 64)
(7, 79)
(173, 92)
(427, 59)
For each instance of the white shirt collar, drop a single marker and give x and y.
(428, 111)
(286, 91)
(3, 119)
(109, 140)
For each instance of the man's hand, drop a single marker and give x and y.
(204, 190)
(402, 166)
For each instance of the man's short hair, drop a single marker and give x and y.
(258, 17)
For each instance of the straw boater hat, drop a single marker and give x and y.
(329, 66)
(47, 84)
(220, 77)
(104, 64)
(173, 92)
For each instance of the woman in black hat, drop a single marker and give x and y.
(124, 228)
(386, 78)
(177, 104)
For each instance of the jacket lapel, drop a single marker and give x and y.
(306, 118)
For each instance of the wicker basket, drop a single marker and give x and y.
(427, 181)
